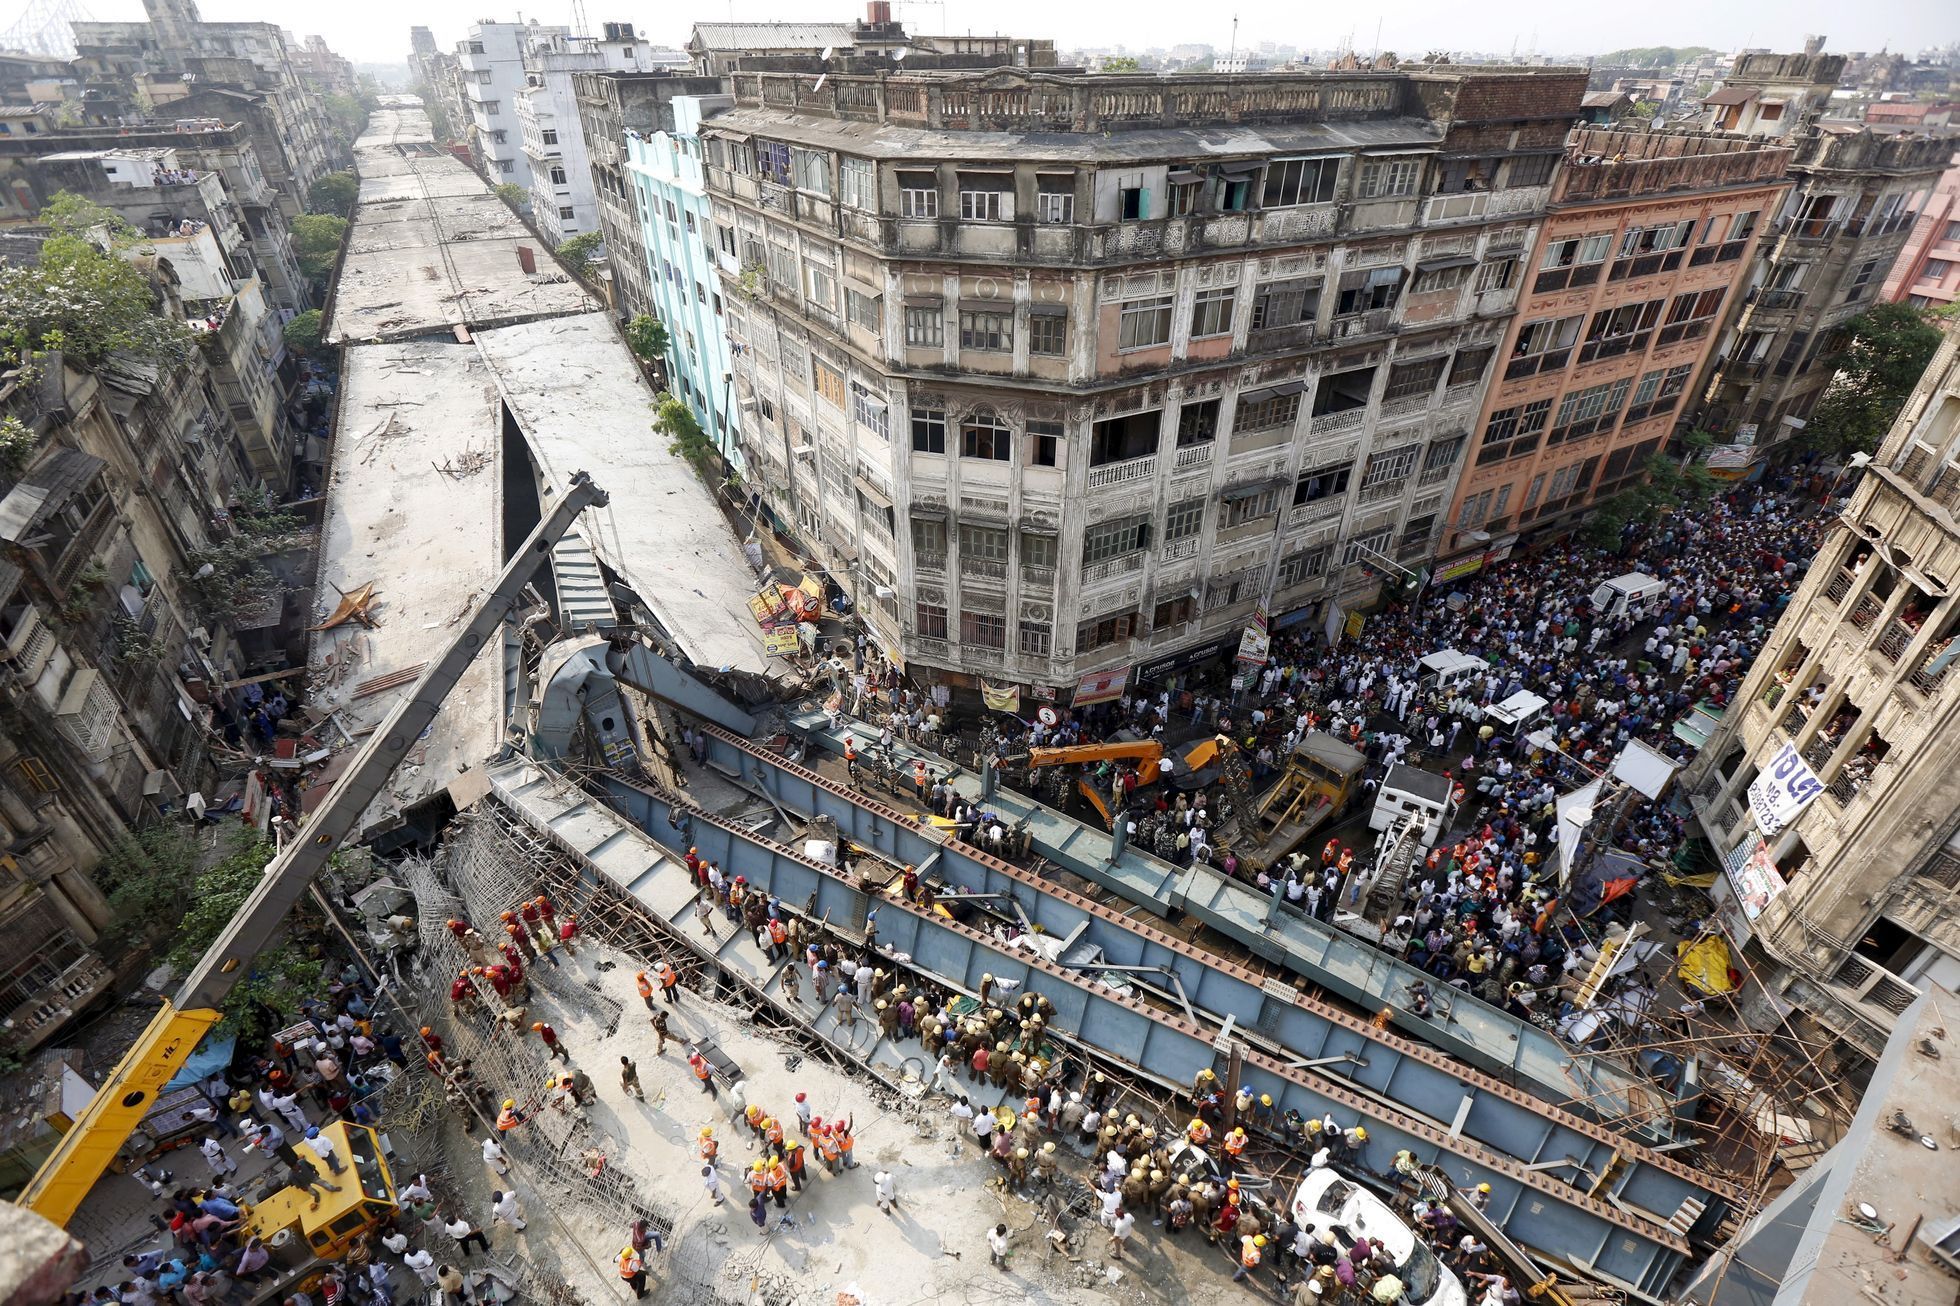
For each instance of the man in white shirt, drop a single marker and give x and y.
(423, 1264)
(886, 1188)
(505, 1209)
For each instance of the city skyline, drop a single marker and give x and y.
(370, 32)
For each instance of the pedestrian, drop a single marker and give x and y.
(423, 1265)
(634, 1271)
(221, 1163)
(803, 1114)
(645, 987)
(553, 1045)
(660, 1032)
(466, 1233)
(493, 1155)
(505, 1209)
(1120, 1230)
(886, 1188)
(323, 1147)
(703, 1072)
(792, 984)
(711, 1181)
(670, 983)
(629, 1078)
(997, 1245)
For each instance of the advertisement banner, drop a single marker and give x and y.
(1354, 623)
(1459, 569)
(1255, 644)
(1101, 686)
(1335, 623)
(781, 642)
(1786, 786)
(1754, 877)
(999, 699)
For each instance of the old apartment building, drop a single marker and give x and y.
(1647, 240)
(1825, 259)
(1846, 717)
(1079, 373)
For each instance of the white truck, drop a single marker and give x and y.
(1411, 791)
(1520, 713)
(1636, 593)
(1447, 668)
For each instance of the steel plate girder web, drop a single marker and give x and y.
(1398, 1068)
(1539, 1209)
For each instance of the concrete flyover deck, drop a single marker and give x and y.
(1620, 1243)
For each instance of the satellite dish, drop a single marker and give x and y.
(827, 50)
(898, 56)
(820, 81)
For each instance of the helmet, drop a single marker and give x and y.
(536, 1025)
(987, 978)
(1000, 1047)
(639, 974)
(313, 1131)
(1238, 1131)
(508, 916)
(757, 1167)
(1259, 1240)
(1232, 1184)
(1021, 1153)
(1206, 1074)
(741, 879)
(694, 850)
(707, 1131)
(1048, 1147)
(1156, 1176)
(426, 1030)
(509, 1105)
(1149, 1132)
(816, 1122)
(1483, 1188)
(801, 1096)
(1361, 1133)
(1265, 1099)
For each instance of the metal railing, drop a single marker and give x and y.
(1132, 469)
(1866, 611)
(1838, 586)
(1893, 641)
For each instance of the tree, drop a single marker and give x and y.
(334, 193)
(1665, 487)
(1119, 64)
(238, 580)
(316, 243)
(75, 215)
(514, 195)
(85, 302)
(582, 253)
(646, 336)
(684, 435)
(432, 105)
(281, 975)
(1888, 348)
(302, 334)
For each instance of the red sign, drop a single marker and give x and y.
(1101, 686)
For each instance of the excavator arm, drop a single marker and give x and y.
(1145, 752)
(85, 1151)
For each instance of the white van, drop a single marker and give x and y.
(1518, 714)
(1327, 1200)
(1447, 668)
(1411, 791)
(1636, 592)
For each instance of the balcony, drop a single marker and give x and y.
(1775, 301)
(1111, 568)
(1893, 640)
(1356, 326)
(1337, 423)
(923, 561)
(1435, 475)
(1403, 405)
(1321, 510)
(1134, 469)
(1929, 682)
(1193, 455)
(1044, 577)
(1838, 586)
(1383, 491)
(1866, 612)
(983, 568)
(1871, 984)
(1177, 549)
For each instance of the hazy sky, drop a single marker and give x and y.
(376, 31)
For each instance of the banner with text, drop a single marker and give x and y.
(1786, 786)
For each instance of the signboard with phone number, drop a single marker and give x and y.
(1784, 788)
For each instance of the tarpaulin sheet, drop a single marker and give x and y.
(1705, 965)
(210, 1058)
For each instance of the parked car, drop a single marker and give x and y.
(1328, 1199)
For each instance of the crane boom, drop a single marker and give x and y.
(64, 1179)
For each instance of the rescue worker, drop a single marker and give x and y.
(1250, 1250)
(670, 984)
(702, 1071)
(645, 986)
(1233, 1145)
(707, 1146)
(633, 1270)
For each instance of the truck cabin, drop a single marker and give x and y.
(1519, 714)
(329, 1228)
(1411, 791)
(1635, 592)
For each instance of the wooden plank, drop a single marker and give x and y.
(265, 676)
(405, 676)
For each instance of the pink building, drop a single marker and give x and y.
(1928, 270)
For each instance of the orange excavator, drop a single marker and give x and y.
(1146, 753)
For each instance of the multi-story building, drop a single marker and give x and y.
(1067, 373)
(718, 49)
(1647, 238)
(1829, 787)
(491, 68)
(564, 200)
(613, 110)
(1840, 229)
(1927, 272)
(681, 267)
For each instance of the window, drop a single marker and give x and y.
(566, 211)
(1048, 333)
(1952, 231)
(983, 543)
(1299, 181)
(1391, 465)
(1657, 392)
(1323, 483)
(1622, 330)
(870, 411)
(1467, 368)
(1279, 304)
(1343, 391)
(1298, 567)
(1038, 550)
(1211, 313)
(1416, 378)
(1054, 199)
(1532, 170)
(1234, 193)
(1109, 630)
(986, 330)
(1369, 289)
(819, 285)
(1443, 454)
(929, 430)
(1543, 346)
(1690, 316)
(918, 195)
(1366, 548)
(1262, 410)
(558, 176)
(929, 540)
(772, 161)
(1573, 261)
(1586, 412)
(1197, 422)
(1184, 520)
(830, 382)
(1430, 280)
(1935, 269)
(1035, 639)
(550, 136)
(1119, 439)
(925, 326)
(1648, 240)
(1172, 612)
(811, 168)
(1146, 323)
(1044, 443)
(1184, 197)
(1499, 274)
(1514, 431)
(932, 620)
(1113, 539)
(1867, 271)
(985, 435)
(986, 197)
(1132, 201)
(857, 184)
(863, 309)
(1386, 178)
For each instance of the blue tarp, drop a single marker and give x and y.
(210, 1058)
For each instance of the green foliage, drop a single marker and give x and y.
(131, 645)
(349, 112)
(316, 242)
(238, 580)
(1889, 347)
(85, 302)
(1645, 108)
(514, 195)
(750, 280)
(17, 445)
(281, 975)
(302, 334)
(1120, 64)
(675, 420)
(647, 336)
(147, 877)
(581, 253)
(70, 214)
(1654, 56)
(334, 193)
(1667, 486)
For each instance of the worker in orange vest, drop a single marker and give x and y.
(759, 1177)
(846, 1140)
(1249, 1250)
(778, 939)
(754, 1117)
(1234, 1144)
(851, 758)
(1199, 1133)
(508, 1118)
(645, 986)
(633, 1270)
(778, 1176)
(702, 1071)
(772, 1132)
(670, 985)
(827, 1147)
(710, 1149)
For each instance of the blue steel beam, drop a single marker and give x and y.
(1397, 1068)
(1538, 1209)
(1361, 973)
